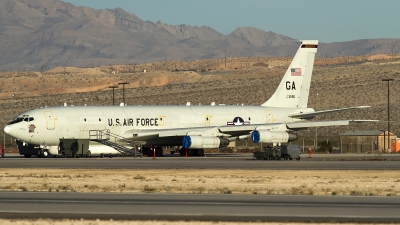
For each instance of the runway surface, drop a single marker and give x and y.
(212, 161)
(199, 207)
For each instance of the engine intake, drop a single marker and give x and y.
(200, 142)
(266, 136)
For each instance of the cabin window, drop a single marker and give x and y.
(84, 119)
(99, 119)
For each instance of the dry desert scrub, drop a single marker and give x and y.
(272, 182)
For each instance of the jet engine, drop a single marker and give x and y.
(266, 136)
(200, 142)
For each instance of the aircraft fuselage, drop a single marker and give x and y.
(45, 126)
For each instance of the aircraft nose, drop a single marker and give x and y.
(10, 130)
(7, 129)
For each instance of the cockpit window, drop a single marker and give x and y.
(28, 119)
(16, 120)
(25, 118)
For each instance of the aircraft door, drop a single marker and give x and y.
(207, 120)
(161, 120)
(50, 121)
(269, 116)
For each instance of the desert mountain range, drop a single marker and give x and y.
(43, 34)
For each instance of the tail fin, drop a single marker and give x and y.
(294, 88)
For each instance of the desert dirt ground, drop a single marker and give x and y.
(111, 222)
(307, 182)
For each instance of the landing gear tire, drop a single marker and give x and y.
(27, 156)
(101, 155)
(172, 152)
(190, 152)
(45, 154)
(39, 154)
(88, 154)
(200, 152)
(159, 151)
(298, 158)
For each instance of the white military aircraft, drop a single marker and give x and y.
(193, 127)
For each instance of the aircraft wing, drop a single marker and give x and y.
(316, 113)
(240, 130)
(180, 132)
(166, 132)
(156, 136)
(300, 125)
(231, 131)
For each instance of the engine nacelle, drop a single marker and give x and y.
(266, 136)
(200, 142)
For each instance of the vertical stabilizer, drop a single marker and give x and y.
(294, 88)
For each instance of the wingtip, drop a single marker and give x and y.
(364, 121)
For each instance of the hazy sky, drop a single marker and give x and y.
(327, 21)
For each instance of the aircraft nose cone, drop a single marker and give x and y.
(10, 130)
(7, 129)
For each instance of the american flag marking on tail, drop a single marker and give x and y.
(295, 71)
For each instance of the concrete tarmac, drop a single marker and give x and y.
(212, 161)
(200, 207)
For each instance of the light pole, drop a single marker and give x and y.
(388, 110)
(12, 103)
(12, 113)
(384, 141)
(316, 128)
(123, 91)
(113, 87)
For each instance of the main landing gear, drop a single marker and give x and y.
(191, 152)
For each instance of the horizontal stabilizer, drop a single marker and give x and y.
(306, 115)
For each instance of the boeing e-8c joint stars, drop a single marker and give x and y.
(193, 127)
